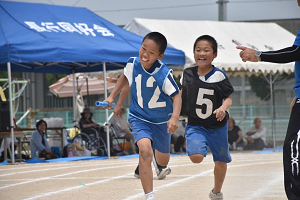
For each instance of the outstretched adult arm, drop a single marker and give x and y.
(285, 55)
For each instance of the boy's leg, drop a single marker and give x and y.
(196, 145)
(218, 144)
(145, 159)
(219, 173)
(161, 144)
(162, 158)
(161, 169)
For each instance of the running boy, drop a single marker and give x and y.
(206, 95)
(151, 114)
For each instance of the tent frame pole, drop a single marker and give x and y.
(11, 127)
(74, 100)
(106, 110)
(271, 81)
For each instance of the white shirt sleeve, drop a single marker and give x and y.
(128, 72)
(170, 86)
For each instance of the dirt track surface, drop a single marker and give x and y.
(250, 176)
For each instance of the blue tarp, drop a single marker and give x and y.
(56, 39)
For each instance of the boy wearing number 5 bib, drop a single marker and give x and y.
(152, 115)
(206, 95)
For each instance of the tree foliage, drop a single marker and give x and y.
(261, 87)
(52, 78)
(3, 75)
(177, 80)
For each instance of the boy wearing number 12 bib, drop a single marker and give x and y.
(152, 115)
(206, 95)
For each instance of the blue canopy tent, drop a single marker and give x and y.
(46, 38)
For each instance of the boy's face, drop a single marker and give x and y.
(149, 53)
(204, 53)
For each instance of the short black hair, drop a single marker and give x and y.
(40, 122)
(209, 39)
(159, 39)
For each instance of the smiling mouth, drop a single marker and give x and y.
(144, 59)
(202, 59)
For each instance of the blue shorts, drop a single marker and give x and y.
(198, 138)
(157, 133)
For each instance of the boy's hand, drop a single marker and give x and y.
(220, 114)
(172, 124)
(117, 111)
(110, 101)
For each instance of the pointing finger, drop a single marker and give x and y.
(241, 48)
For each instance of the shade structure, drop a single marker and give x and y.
(60, 39)
(260, 36)
(86, 85)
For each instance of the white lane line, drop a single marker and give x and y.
(266, 187)
(71, 163)
(191, 177)
(71, 173)
(56, 168)
(76, 187)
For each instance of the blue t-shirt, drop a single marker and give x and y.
(297, 69)
(150, 99)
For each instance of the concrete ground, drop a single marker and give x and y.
(250, 176)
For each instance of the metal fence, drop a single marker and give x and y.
(98, 116)
(244, 117)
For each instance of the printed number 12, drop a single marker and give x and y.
(153, 103)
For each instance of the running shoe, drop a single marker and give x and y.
(151, 198)
(218, 196)
(163, 173)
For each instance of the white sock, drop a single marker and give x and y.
(150, 194)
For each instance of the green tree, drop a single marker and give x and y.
(177, 80)
(52, 78)
(261, 87)
(3, 75)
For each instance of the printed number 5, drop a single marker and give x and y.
(207, 102)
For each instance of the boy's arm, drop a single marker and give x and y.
(118, 87)
(220, 112)
(173, 122)
(122, 96)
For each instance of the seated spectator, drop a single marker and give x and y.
(178, 142)
(121, 127)
(256, 136)
(87, 125)
(39, 143)
(86, 122)
(235, 135)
